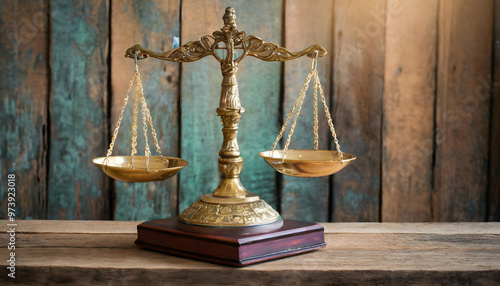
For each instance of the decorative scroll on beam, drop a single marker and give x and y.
(272, 52)
(190, 52)
(251, 45)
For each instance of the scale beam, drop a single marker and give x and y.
(230, 204)
(251, 46)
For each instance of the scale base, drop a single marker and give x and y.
(238, 246)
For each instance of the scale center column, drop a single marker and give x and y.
(230, 204)
(230, 161)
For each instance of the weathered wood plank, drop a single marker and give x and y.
(154, 25)
(357, 103)
(226, 276)
(366, 253)
(75, 240)
(258, 87)
(23, 108)
(371, 245)
(306, 23)
(408, 110)
(122, 234)
(494, 172)
(78, 110)
(464, 228)
(71, 233)
(73, 226)
(200, 86)
(462, 117)
(130, 227)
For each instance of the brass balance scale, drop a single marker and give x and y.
(231, 225)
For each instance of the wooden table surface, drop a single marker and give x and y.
(103, 253)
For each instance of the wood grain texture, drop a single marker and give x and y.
(259, 85)
(78, 110)
(131, 275)
(357, 103)
(357, 253)
(494, 172)
(462, 117)
(23, 106)
(71, 233)
(408, 110)
(81, 227)
(306, 23)
(74, 226)
(152, 24)
(200, 86)
(432, 228)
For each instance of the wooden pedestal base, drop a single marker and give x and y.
(235, 247)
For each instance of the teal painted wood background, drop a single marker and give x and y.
(412, 88)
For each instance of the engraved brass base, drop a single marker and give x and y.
(242, 211)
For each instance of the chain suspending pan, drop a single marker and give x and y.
(307, 163)
(133, 168)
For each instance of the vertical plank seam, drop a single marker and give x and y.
(279, 176)
(48, 109)
(434, 147)
(331, 185)
(108, 116)
(441, 81)
(179, 115)
(490, 123)
(445, 187)
(381, 140)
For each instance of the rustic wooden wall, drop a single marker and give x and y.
(414, 91)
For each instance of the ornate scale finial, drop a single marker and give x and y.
(229, 18)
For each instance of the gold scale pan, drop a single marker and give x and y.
(307, 163)
(133, 168)
(299, 163)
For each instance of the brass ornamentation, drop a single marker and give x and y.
(230, 204)
(243, 214)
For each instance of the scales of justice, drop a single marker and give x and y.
(231, 225)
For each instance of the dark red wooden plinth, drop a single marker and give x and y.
(227, 246)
